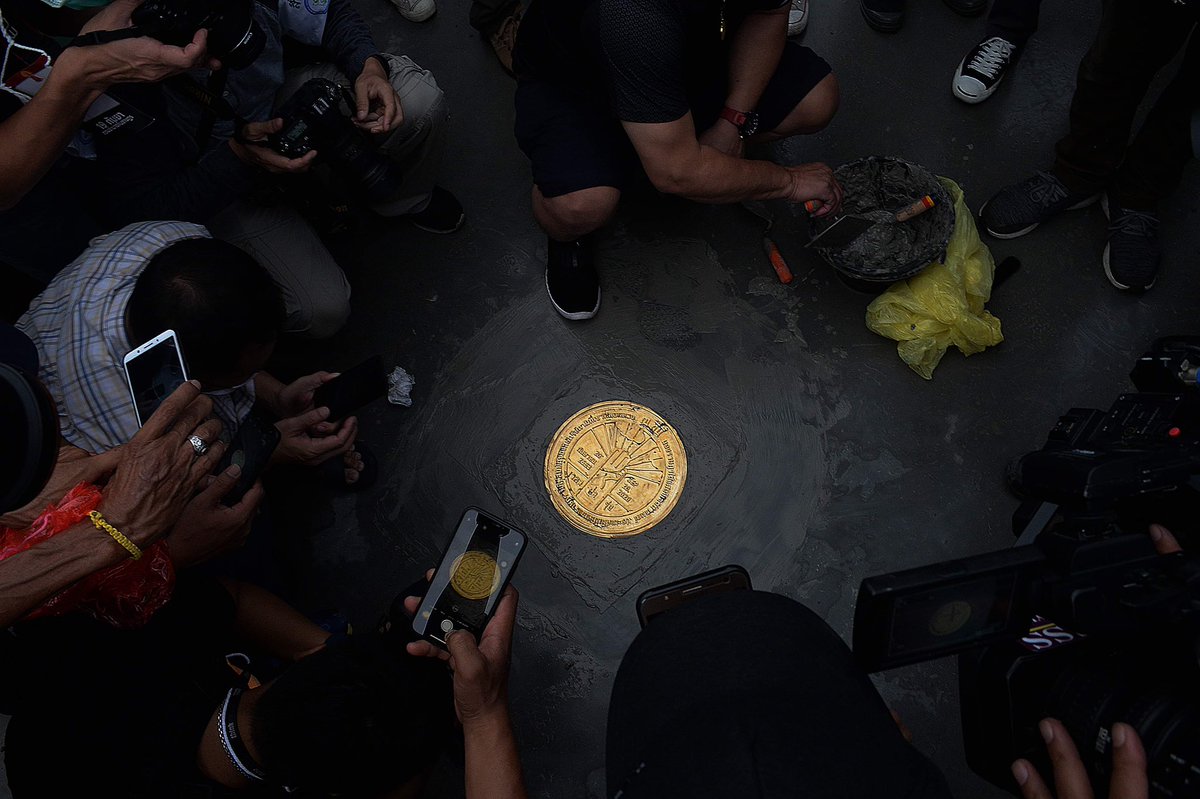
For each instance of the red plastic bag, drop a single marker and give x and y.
(125, 595)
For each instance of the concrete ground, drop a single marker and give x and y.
(816, 457)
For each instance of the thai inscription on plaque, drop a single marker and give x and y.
(615, 469)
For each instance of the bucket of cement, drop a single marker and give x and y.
(876, 188)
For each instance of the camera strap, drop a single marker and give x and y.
(105, 37)
(212, 103)
(208, 117)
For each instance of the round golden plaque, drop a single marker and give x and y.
(615, 469)
(474, 575)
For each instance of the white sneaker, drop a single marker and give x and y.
(415, 10)
(798, 17)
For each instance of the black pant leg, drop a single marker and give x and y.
(1136, 39)
(485, 15)
(1014, 20)
(1162, 148)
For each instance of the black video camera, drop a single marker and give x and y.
(313, 119)
(1081, 620)
(233, 35)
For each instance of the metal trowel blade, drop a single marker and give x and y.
(841, 232)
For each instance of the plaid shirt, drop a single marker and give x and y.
(78, 326)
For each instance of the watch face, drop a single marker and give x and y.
(750, 126)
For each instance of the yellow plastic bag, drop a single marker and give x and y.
(944, 304)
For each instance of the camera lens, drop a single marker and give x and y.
(1156, 698)
(234, 37)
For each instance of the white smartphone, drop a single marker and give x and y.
(153, 371)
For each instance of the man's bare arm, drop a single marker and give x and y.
(677, 163)
(31, 577)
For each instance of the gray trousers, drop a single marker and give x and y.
(316, 293)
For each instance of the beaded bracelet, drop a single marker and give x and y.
(117, 535)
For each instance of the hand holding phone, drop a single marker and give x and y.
(480, 670)
(352, 389)
(251, 450)
(470, 580)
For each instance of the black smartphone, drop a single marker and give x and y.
(251, 448)
(473, 573)
(659, 600)
(352, 389)
(153, 370)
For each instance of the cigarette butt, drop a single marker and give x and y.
(776, 259)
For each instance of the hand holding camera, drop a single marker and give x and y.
(132, 56)
(1129, 779)
(253, 147)
(1071, 777)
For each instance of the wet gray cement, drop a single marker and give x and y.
(815, 456)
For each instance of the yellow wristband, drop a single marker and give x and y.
(117, 535)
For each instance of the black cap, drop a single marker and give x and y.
(750, 694)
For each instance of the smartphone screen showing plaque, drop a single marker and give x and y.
(473, 574)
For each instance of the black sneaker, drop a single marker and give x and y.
(968, 8)
(981, 71)
(444, 214)
(885, 16)
(1019, 208)
(571, 279)
(1132, 255)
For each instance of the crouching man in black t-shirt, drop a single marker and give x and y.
(677, 85)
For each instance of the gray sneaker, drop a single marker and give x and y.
(1019, 208)
(1132, 255)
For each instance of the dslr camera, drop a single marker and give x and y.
(1081, 620)
(233, 36)
(317, 117)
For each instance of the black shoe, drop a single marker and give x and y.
(1019, 208)
(1132, 255)
(885, 16)
(444, 214)
(968, 8)
(982, 69)
(571, 279)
